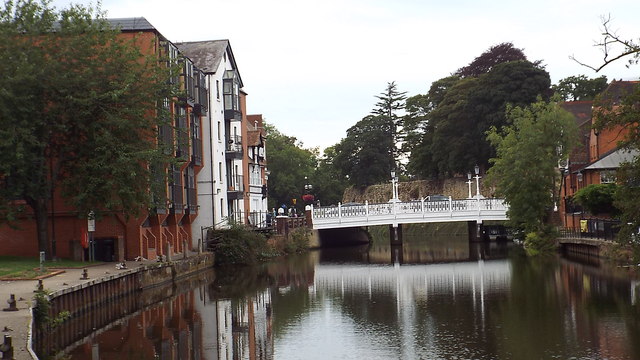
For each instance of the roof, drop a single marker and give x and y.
(614, 159)
(255, 130)
(618, 89)
(581, 110)
(132, 24)
(208, 54)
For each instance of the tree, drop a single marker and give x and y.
(389, 103)
(525, 167)
(578, 88)
(497, 54)
(363, 155)
(77, 106)
(454, 139)
(328, 182)
(289, 163)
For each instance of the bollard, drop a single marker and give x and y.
(12, 303)
(85, 274)
(7, 348)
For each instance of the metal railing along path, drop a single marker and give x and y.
(419, 211)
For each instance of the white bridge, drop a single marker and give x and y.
(412, 212)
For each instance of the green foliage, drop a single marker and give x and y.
(328, 182)
(578, 88)
(238, 245)
(364, 155)
(41, 311)
(389, 103)
(542, 241)
(627, 201)
(525, 168)
(597, 198)
(298, 241)
(495, 55)
(619, 111)
(289, 163)
(452, 120)
(75, 112)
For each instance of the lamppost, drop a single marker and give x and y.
(307, 197)
(477, 170)
(469, 183)
(394, 187)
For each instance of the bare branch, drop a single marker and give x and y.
(609, 41)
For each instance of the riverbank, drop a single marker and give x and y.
(17, 324)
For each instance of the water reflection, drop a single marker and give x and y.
(442, 299)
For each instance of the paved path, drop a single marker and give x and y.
(16, 323)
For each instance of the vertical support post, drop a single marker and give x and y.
(472, 229)
(168, 252)
(395, 234)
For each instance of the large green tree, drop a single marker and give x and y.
(390, 102)
(579, 88)
(497, 54)
(453, 138)
(525, 167)
(328, 182)
(289, 163)
(77, 105)
(363, 156)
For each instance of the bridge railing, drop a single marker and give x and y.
(354, 210)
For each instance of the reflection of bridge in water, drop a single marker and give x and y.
(475, 278)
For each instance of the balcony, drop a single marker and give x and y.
(235, 188)
(234, 147)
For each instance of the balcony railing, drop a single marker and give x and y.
(234, 183)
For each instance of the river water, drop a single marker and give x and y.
(437, 297)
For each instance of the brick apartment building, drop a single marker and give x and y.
(221, 177)
(596, 159)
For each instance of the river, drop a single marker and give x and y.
(437, 297)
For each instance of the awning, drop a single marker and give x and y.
(613, 160)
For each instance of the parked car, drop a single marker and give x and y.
(437, 198)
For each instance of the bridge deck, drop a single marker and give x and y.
(394, 213)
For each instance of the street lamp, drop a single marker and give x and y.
(469, 183)
(394, 187)
(307, 196)
(477, 170)
(307, 187)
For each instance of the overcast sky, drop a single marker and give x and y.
(313, 67)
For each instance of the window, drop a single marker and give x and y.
(607, 177)
(220, 171)
(218, 89)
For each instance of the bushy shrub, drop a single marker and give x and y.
(597, 198)
(542, 241)
(238, 245)
(298, 240)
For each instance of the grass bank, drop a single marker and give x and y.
(16, 267)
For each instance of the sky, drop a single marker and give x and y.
(314, 67)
